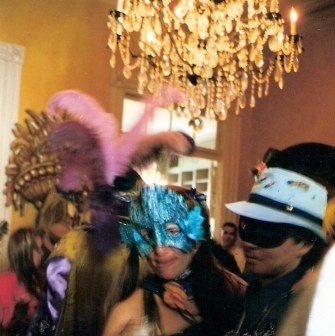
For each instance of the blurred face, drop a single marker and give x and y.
(228, 236)
(169, 262)
(58, 230)
(273, 263)
(37, 252)
(270, 251)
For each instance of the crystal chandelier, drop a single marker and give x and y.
(221, 53)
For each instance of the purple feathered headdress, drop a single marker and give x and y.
(93, 153)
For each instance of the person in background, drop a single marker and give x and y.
(50, 238)
(74, 265)
(3, 228)
(22, 285)
(229, 235)
(282, 237)
(184, 291)
(230, 242)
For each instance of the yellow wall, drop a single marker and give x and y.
(65, 45)
(302, 112)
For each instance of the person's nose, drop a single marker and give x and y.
(159, 250)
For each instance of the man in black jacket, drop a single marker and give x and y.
(280, 228)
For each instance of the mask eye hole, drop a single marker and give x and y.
(172, 229)
(146, 234)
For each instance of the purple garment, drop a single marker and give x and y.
(57, 275)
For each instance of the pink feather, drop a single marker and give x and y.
(87, 111)
(125, 148)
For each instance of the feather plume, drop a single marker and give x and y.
(328, 224)
(89, 113)
(128, 144)
(152, 146)
(115, 151)
(79, 155)
(93, 154)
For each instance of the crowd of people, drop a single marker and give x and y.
(146, 264)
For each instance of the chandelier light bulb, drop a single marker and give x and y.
(119, 5)
(273, 6)
(150, 35)
(280, 37)
(294, 19)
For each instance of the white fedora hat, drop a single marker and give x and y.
(283, 196)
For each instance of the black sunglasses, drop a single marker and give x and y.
(263, 234)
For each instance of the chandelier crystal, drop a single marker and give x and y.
(222, 54)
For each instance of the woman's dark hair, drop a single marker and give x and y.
(215, 295)
(21, 246)
(127, 277)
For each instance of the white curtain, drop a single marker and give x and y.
(11, 59)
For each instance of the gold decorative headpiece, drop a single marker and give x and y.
(31, 171)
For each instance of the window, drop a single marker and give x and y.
(164, 120)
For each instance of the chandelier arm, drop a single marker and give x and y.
(133, 55)
(288, 68)
(158, 12)
(130, 66)
(264, 78)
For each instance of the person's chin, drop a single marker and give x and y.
(254, 265)
(166, 274)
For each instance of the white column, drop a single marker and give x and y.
(11, 59)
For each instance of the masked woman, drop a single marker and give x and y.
(184, 291)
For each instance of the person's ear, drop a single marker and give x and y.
(305, 248)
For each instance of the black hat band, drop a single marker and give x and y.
(261, 200)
